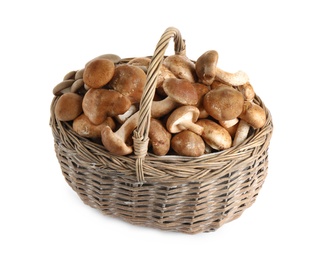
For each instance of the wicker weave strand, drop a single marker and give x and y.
(142, 131)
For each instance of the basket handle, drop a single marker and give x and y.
(140, 137)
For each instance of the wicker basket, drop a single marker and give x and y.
(175, 193)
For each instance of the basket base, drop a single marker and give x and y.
(190, 208)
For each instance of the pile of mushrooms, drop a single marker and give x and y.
(198, 108)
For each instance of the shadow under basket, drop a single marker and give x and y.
(175, 193)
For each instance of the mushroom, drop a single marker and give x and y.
(159, 137)
(241, 132)
(123, 117)
(79, 74)
(206, 66)
(68, 107)
(201, 89)
(184, 118)
(63, 87)
(224, 103)
(232, 130)
(253, 114)
(187, 143)
(140, 61)
(116, 142)
(247, 91)
(179, 92)
(78, 87)
(98, 72)
(83, 127)
(228, 123)
(129, 81)
(219, 84)
(164, 73)
(109, 56)
(98, 104)
(181, 66)
(216, 136)
(234, 79)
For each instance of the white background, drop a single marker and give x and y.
(282, 45)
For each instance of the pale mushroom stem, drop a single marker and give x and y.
(193, 127)
(235, 79)
(128, 127)
(241, 133)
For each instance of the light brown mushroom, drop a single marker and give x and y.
(116, 142)
(68, 107)
(78, 87)
(70, 75)
(187, 143)
(179, 92)
(63, 87)
(219, 84)
(247, 91)
(79, 74)
(235, 79)
(181, 67)
(109, 56)
(241, 132)
(140, 61)
(202, 90)
(98, 104)
(83, 127)
(206, 67)
(184, 118)
(164, 73)
(253, 114)
(129, 81)
(224, 103)
(215, 135)
(98, 72)
(159, 137)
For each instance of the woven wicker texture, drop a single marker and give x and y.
(175, 193)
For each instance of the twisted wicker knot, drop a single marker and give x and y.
(140, 150)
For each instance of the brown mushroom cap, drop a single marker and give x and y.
(253, 114)
(109, 56)
(184, 118)
(181, 67)
(140, 61)
(205, 67)
(129, 81)
(179, 92)
(83, 127)
(164, 73)
(201, 90)
(187, 143)
(247, 91)
(216, 136)
(159, 137)
(68, 107)
(224, 103)
(98, 104)
(98, 72)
